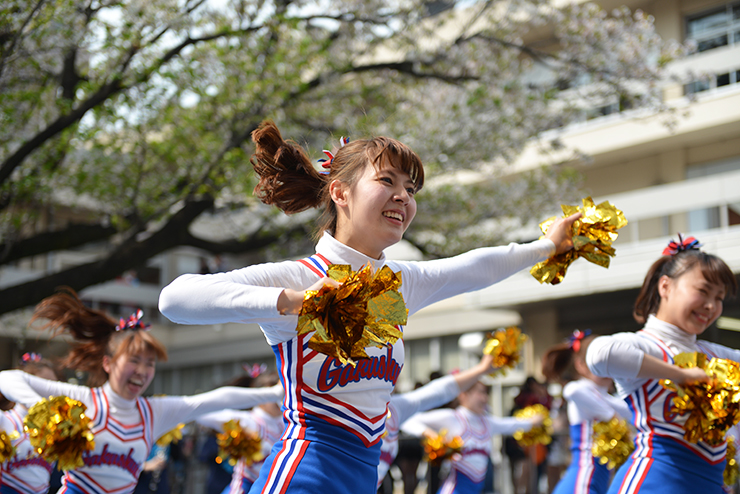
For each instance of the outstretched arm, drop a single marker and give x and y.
(28, 390)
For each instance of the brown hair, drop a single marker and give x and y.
(34, 367)
(95, 333)
(558, 363)
(289, 180)
(712, 267)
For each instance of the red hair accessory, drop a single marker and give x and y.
(133, 322)
(326, 163)
(31, 357)
(683, 244)
(254, 370)
(576, 338)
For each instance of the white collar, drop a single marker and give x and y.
(116, 401)
(337, 252)
(668, 332)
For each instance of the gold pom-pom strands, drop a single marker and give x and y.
(59, 430)
(712, 407)
(439, 448)
(236, 443)
(731, 468)
(172, 436)
(7, 450)
(363, 311)
(505, 345)
(593, 235)
(536, 435)
(612, 442)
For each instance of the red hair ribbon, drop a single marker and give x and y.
(326, 163)
(683, 244)
(31, 357)
(254, 370)
(577, 337)
(133, 322)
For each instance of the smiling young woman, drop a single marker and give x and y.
(336, 414)
(120, 359)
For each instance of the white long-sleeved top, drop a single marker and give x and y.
(402, 406)
(268, 427)
(620, 356)
(587, 401)
(26, 471)
(316, 385)
(125, 430)
(476, 432)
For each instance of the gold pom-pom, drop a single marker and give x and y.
(59, 430)
(439, 448)
(235, 443)
(505, 345)
(536, 435)
(731, 467)
(612, 442)
(7, 450)
(363, 311)
(593, 235)
(712, 407)
(172, 436)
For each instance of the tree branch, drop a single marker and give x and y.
(74, 235)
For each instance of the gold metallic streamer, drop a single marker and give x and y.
(536, 435)
(7, 450)
(593, 235)
(731, 468)
(59, 430)
(439, 448)
(237, 443)
(505, 345)
(612, 443)
(712, 407)
(363, 311)
(172, 436)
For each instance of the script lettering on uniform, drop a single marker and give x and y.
(118, 460)
(333, 373)
(27, 462)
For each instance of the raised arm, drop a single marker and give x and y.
(216, 420)
(28, 390)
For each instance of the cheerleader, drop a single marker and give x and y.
(588, 401)
(432, 395)
(266, 420)
(471, 422)
(26, 472)
(336, 412)
(125, 424)
(682, 294)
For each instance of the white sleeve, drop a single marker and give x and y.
(612, 356)
(444, 418)
(619, 406)
(432, 281)
(590, 402)
(246, 295)
(509, 425)
(721, 351)
(172, 410)
(6, 425)
(433, 394)
(216, 420)
(28, 390)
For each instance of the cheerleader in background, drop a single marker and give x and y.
(266, 420)
(336, 412)
(432, 395)
(471, 422)
(682, 294)
(588, 401)
(121, 360)
(26, 472)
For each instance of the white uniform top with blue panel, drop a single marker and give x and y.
(663, 460)
(476, 431)
(26, 472)
(124, 429)
(402, 406)
(338, 406)
(587, 403)
(268, 428)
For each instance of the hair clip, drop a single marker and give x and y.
(576, 338)
(326, 163)
(254, 370)
(31, 357)
(133, 322)
(683, 244)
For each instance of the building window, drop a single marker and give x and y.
(716, 81)
(715, 28)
